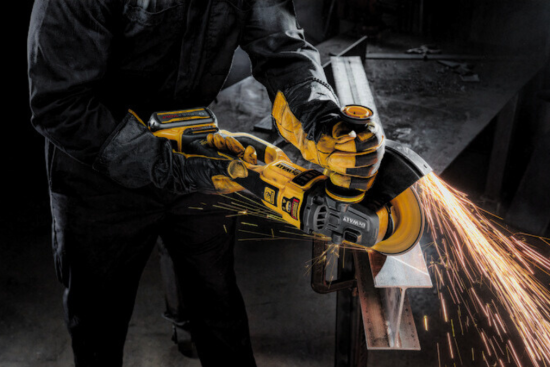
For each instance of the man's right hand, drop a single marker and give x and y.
(134, 157)
(206, 174)
(230, 145)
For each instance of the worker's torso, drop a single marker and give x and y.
(169, 54)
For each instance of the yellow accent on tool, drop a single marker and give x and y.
(357, 111)
(299, 195)
(408, 227)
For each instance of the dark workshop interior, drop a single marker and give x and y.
(464, 83)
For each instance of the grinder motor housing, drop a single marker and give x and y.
(300, 195)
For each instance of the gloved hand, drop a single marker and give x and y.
(351, 157)
(134, 158)
(228, 144)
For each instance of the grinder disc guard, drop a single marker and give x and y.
(407, 218)
(401, 168)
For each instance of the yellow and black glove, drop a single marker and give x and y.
(350, 156)
(134, 157)
(230, 145)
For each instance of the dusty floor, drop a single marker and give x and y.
(290, 324)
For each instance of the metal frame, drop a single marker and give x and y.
(373, 311)
(387, 315)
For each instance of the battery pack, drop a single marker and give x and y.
(195, 120)
(182, 125)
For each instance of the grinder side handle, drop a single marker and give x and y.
(267, 152)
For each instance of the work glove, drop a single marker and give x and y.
(350, 155)
(231, 146)
(134, 157)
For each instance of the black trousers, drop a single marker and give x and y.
(103, 235)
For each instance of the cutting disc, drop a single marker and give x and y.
(408, 224)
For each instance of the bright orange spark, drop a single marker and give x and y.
(426, 322)
(470, 242)
(450, 346)
(514, 354)
(444, 308)
(485, 342)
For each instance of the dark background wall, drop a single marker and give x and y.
(22, 147)
(519, 28)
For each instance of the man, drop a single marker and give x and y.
(114, 187)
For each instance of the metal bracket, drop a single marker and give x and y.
(382, 282)
(319, 281)
(379, 282)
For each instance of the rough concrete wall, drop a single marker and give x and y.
(311, 17)
(518, 26)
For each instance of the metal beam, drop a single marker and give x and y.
(386, 314)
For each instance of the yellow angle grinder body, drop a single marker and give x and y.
(388, 219)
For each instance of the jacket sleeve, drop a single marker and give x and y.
(69, 44)
(282, 60)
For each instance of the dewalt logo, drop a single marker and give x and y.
(269, 195)
(288, 168)
(355, 222)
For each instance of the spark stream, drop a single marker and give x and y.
(471, 243)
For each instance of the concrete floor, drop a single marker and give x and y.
(290, 324)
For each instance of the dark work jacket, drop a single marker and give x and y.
(92, 60)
